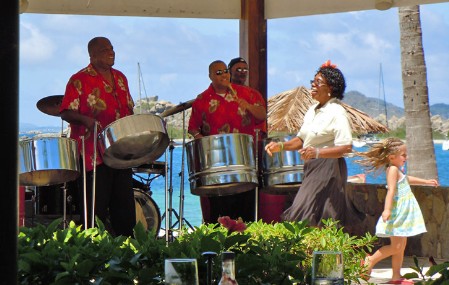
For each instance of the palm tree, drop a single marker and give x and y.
(418, 127)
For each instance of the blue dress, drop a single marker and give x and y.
(406, 216)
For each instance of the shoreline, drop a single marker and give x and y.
(179, 141)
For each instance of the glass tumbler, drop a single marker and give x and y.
(181, 271)
(327, 268)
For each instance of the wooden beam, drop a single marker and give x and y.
(253, 43)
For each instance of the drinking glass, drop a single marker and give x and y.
(327, 268)
(181, 271)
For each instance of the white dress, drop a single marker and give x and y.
(406, 216)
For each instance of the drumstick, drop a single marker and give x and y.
(233, 92)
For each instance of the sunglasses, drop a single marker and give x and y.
(220, 72)
(318, 83)
(241, 69)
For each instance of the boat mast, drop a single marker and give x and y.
(382, 88)
(140, 92)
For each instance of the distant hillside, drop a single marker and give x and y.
(440, 109)
(374, 106)
(27, 127)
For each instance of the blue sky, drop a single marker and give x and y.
(174, 54)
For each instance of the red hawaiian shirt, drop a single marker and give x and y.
(90, 94)
(215, 114)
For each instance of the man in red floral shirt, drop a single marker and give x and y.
(98, 95)
(221, 109)
(238, 69)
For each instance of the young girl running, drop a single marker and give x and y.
(401, 216)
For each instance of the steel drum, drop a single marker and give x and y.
(221, 165)
(47, 161)
(282, 173)
(134, 140)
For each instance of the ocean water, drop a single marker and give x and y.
(442, 159)
(192, 210)
(162, 187)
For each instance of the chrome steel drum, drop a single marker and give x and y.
(147, 211)
(282, 172)
(47, 161)
(134, 140)
(221, 165)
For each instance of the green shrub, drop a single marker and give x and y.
(278, 253)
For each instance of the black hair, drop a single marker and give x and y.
(215, 62)
(334, 79)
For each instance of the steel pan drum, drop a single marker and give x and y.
(134, 140)
(221, 165)
(282, 172)
(47, 161)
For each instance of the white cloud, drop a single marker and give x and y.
(35, 47)
(168, 79)
(174, 54)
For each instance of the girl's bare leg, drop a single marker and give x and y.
(397, 258)
(395, 249)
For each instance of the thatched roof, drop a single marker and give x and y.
(286, 113)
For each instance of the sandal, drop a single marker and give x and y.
(401, 281)
(364, 263)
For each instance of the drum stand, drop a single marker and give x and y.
(169, 226)
(147, 182)
(33, 203)
(64, 209)
(169, 211)
(66, 200)
(64, 188)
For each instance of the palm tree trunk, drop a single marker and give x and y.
(418, 127)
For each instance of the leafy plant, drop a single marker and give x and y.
(442, 269)
(278, 253)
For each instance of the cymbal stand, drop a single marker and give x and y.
(169, 198)
(62, 129)
(64, 188)
(169, 211)
(181, 187)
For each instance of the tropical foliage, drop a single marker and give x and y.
(278, 253)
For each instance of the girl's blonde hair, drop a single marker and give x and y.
(376, 158)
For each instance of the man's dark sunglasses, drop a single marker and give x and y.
(220, 72)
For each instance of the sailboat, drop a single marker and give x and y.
(371, 138)
(445, 145)
(359, 142)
